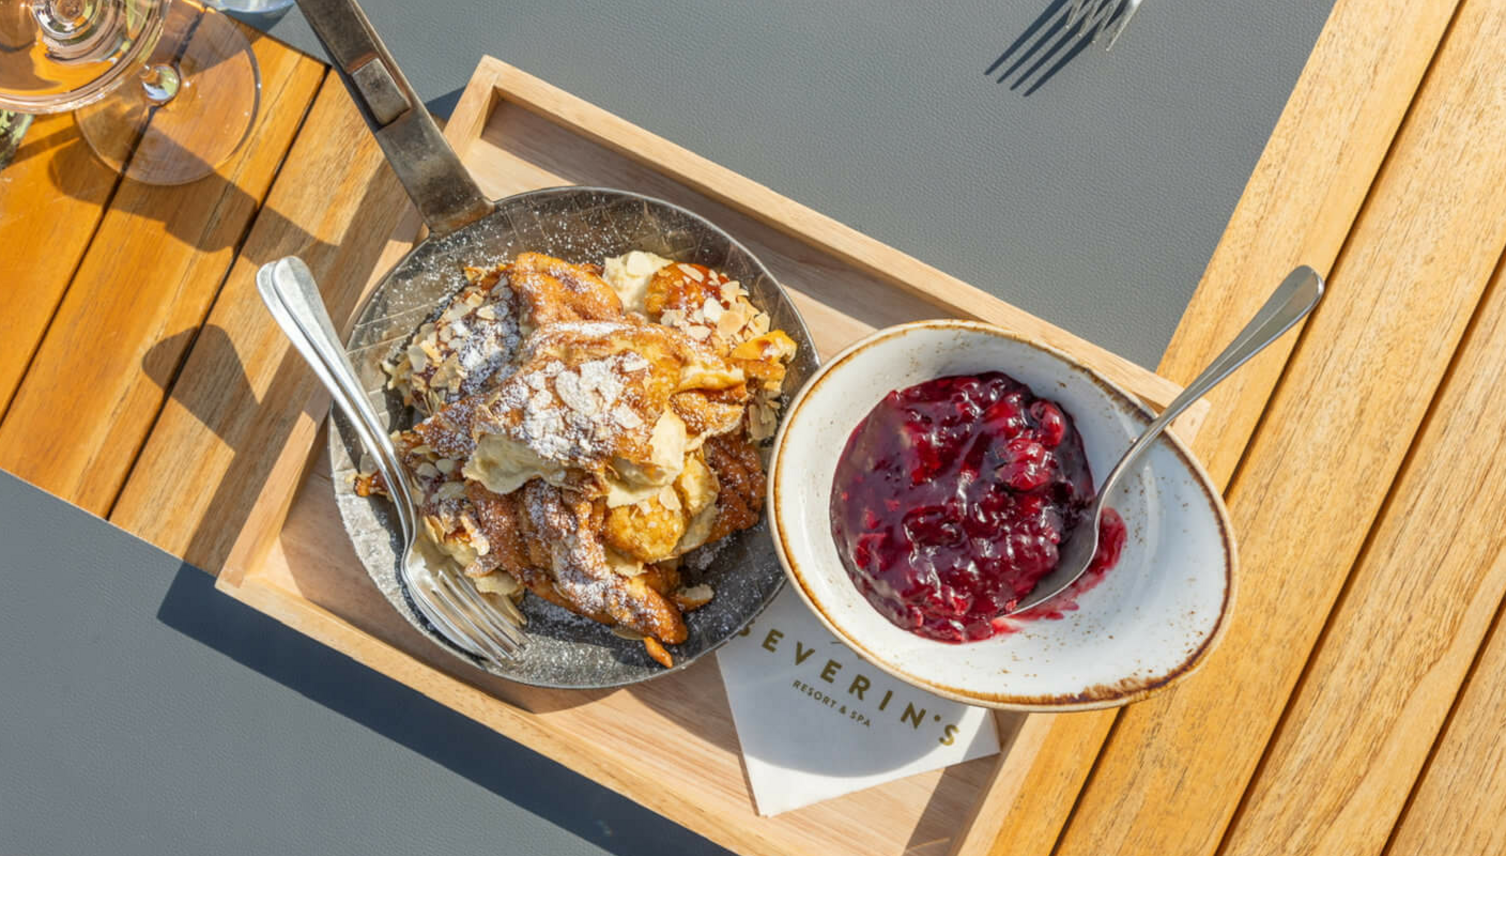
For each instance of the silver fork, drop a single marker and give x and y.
(442, 592)
(1100, 15)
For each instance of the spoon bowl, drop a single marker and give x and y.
(1293, 299)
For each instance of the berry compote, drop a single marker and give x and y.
(950, 499)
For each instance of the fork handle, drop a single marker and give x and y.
(287, 287)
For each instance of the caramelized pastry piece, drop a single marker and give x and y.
(709, 412)
(589, 396)
(703, 303)
(676, 519)
(568, 531)
(506, 529)
(657, 652)
(549, 290)
(735, 462)
(662, 577)
(648, 530)
(501, 522)
(683, 286)
(448, 431)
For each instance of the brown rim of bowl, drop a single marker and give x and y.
(1125, 691)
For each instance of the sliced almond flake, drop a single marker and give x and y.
(670, 318)
(434, 527)
(701, 592)
(625, 417)
(474, 274)
(478, 540)
(431, 350)
(692, 597)
(446, 466)
(488, 313)
(425, 449)
(692, 272)
(450, 490)
(447, 376)
(427, 470)
(699, 332)
(712, 311)
(669, 499)
(417, 359)
(761, 323)
(731, 322)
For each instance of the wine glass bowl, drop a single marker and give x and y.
(59, 55)
(163, 91)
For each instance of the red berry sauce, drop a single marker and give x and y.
(949, 502)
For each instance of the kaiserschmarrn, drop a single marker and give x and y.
(581, 428)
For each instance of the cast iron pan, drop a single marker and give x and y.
(580, 224)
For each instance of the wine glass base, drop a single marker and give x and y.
(186, 137)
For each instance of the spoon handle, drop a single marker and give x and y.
(1293, 299)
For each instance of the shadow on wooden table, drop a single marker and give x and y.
(507, 769)
(189, 230)
(203, 370)
(227, 408)
(77, 154)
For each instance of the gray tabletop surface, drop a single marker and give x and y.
(1093, 201)
(145, 712)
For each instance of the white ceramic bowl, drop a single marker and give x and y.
(1151, 621)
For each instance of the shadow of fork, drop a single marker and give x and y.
(1068, 27)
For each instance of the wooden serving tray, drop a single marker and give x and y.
(669, 744)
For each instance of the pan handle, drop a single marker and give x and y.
(443, 190)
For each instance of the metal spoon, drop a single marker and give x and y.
(1295, 298)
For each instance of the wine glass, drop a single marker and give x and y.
(163, 90)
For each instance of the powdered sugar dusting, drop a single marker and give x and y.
(579, 565)
(569, 415)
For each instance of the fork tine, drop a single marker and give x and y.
(466, 588)
(479, 613)
(459, 613)
(446, 616)
(422, 593)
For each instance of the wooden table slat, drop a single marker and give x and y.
(1459, 803)
(242, 386)
(52, 196)
(1329, 447)
(1358, 731)
(1299, 206)
(142, 290)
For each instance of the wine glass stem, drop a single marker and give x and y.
(161, 82)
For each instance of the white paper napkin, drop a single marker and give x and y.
(816, 721)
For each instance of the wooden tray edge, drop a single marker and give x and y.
(771, 208)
